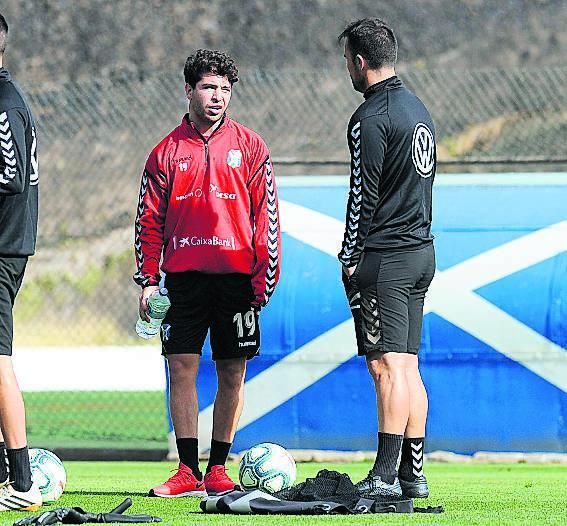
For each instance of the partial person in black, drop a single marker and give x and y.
(387, 253)
(18, 229)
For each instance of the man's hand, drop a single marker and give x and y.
(349, 271)
(144, 295)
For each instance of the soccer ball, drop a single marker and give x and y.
(48, 472)
(267, 467)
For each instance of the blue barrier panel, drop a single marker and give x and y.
(494, 341)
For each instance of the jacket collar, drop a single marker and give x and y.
(192, 131)
(389, 83)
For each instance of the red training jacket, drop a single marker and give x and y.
(210, 205)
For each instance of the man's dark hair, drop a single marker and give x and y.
(205, 62)
(3, 34)
(374, 40)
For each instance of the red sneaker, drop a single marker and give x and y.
(182, 484)
(218, 482)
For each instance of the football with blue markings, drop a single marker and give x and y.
(267, 467)
(49, 473)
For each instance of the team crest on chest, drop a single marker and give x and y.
(234, 158)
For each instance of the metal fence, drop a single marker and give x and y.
(95, 136)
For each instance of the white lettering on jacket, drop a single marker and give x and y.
(196, 241)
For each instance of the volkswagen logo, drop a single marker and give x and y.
(423, 150)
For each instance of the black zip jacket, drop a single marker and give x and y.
(18, 171)
(391, 138)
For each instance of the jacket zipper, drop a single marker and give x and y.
(206, 145)
(206, 142)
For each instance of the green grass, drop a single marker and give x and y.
(471, 494)
(101, 419)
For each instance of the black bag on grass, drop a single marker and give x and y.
(328, 493)
(80, 516)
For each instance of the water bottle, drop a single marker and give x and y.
(158, 303)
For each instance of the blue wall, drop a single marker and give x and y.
(481, 397)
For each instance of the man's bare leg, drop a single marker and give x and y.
(228, 406)
(184, 407)
(12, 412)
(392, 397)
(412, 479)
(13, 425)
(418, 406)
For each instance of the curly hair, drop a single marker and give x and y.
(207, 61)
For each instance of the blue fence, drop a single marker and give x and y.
(494, 341)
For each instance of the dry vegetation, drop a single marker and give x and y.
(74, 39)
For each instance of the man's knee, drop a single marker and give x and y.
(387, 365)
(231, 373)
(183, 368)
(6, 369)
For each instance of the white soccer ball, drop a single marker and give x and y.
(48, 472)
(267, 467)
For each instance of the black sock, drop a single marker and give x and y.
(219, 453)
(3, 463)
(386, 462)
(20, 471)
(188, 449)
(411, 465)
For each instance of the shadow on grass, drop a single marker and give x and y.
(110, 492)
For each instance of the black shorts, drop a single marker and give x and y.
(11, 275)
(219, 302)
(386, 294)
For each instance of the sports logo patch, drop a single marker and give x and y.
(423, 150)
(183, 162)
(234, 159)
(165, 330)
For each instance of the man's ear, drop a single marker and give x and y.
(361, 62)
(188, 91)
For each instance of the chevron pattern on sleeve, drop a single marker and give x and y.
(355, 200)
(139, 277)
(272, 211)
(7, 150)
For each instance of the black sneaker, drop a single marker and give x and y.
(374, 487)
(415, 489)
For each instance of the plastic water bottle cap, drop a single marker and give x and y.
(163, 291)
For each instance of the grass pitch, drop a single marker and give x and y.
(96, 419)
(471, 494)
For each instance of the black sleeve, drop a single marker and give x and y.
(367, 141)
(13, 154)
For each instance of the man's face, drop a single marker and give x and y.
(353, 66)
(209, 99)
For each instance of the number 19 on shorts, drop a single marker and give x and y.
(246, 328)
